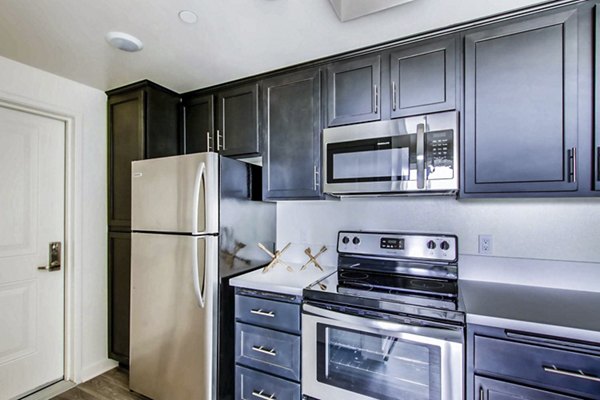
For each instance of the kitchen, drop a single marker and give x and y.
(537, 240)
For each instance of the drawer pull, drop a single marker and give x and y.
(263, 313)
(264, 350)
(260, 395)
(579, 374)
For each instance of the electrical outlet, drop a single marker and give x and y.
(486, 243)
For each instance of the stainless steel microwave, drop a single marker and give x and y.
(415, 155)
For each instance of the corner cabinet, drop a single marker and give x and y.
(353, 90)
(525, 88)
(423, 77)
(143, 122)
(509, 364)
(291, 136)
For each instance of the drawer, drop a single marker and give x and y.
(268, 313)
(492, 389)
(253, 385)
(270, 351)
(540, 366)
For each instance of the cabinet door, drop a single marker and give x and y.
(291, 132)
(161, 123)
(423, 78)
(199, 124)
(238, 130)
(521, 86)
(353, 88)
(491, 389)
(119, 278)
(126, 144)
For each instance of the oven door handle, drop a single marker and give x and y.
(449, 333)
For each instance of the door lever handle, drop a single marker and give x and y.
(54, 257)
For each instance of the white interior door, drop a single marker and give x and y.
(31, 217)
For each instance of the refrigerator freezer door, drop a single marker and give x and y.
(176, 194)
(174, 289)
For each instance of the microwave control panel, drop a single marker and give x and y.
(439, 149)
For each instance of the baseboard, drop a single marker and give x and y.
(51, 391)
(99, 368)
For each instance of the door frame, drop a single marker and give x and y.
(73, 219)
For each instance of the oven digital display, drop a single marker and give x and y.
(392, 243)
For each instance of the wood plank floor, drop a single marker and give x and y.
(112, 385)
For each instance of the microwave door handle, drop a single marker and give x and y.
(421, 156)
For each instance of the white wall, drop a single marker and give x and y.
(39, 89)
(529, 235)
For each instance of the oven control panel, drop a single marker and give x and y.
(417, 246)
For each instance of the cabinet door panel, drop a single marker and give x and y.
(292, 120)
(491, 389)
(353, 90)
(126, 142)
(521, 105)
(162, 123)
(199, 124)
(238, 121)
(119, 279)
(423, 78)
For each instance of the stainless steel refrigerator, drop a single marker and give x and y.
(196, 220)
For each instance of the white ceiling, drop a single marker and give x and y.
(232, 39)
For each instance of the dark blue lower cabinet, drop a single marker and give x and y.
(254, 385)
(491, 389)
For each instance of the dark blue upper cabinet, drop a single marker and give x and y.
(199, 119)
(237, 121)
(423, 77)
(291, 129)
(353, 90)
(521, 105)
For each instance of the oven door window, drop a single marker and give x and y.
(383, 367)
(372, 160)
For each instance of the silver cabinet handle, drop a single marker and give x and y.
(260, 395)
(208, 141)
(219, 146)
(394, 100)
(579, 374)
(315, 177)
(263, 313)
(376, 93)
(421, 156)
(572, 155)
(481, 393)
(264, 350)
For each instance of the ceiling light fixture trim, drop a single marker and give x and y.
(187, 16)
(124, 41)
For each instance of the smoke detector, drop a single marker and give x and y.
(124, 41)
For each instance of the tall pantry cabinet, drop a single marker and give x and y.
(143, 122)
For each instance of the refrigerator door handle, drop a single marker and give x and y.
(199, 290)
(199, 185)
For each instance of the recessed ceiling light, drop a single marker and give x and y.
(124, 41)
(187, 16)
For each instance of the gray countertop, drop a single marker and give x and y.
(556, 312)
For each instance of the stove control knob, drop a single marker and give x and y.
(431, 245)
(356, 240)
(345, 240)
(445, 245)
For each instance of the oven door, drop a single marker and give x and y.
(352, 357)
